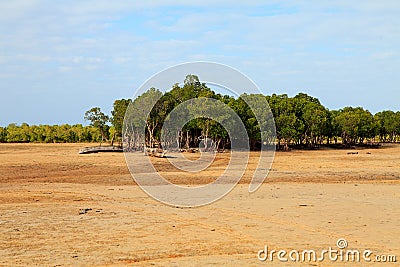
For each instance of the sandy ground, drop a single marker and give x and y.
(58, 208)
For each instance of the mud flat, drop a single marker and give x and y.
(58, 208)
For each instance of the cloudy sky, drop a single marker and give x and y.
(60, 58)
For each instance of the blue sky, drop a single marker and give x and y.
(60, 58)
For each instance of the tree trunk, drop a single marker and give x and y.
(187, 140)
(217, 145)
(112, 139)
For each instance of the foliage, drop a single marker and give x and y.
(98, 120)
(388, 125)
(299, 120)
(64, 133)
(355, 125)
(118, 115)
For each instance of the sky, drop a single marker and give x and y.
(60, 58)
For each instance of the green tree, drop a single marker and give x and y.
(191, 79)
(191, 89)
(288, 126)
(313, 116)
(333, 129)
(98, 120)
(355, 125)
(17, 133)
(118, 115)
(141, 116)
(78, 131)
(388, 124)
(315, 119)
(3, 134)
(398, 126)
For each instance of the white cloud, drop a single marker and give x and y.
(336, 46)
(385, 55)
(64, 68)
(122, 59)
(16, 9)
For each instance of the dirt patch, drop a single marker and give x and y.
(62, 163)
(60, 208)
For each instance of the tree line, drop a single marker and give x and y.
(300, 120)
(64, 133)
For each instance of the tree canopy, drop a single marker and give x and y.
(300, 120)
(98, 120)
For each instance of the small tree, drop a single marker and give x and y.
(98, 120)
(3, 134)
(117, 119)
